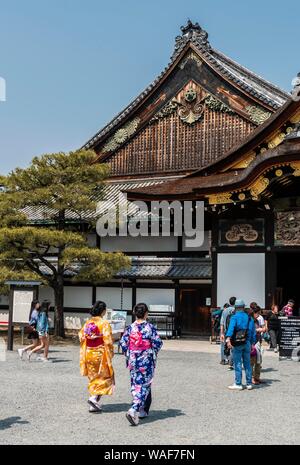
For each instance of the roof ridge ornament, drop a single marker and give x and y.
(191, 32)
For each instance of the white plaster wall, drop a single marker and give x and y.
(241, 275)
(112, 297)
(78, 296)
(74, 296)
(156, 296)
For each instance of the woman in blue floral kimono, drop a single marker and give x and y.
(141, 344)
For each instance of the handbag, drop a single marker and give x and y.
(29, 329)
(239, 337)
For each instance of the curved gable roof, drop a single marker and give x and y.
(193, 36)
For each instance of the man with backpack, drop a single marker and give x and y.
(240, 336)
(228, 311)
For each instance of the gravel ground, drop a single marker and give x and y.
(46, 403)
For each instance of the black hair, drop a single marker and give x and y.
(45, 306)
(253, 306)
(291, 301)
(98, 308)
(232, 300)
(33, 305)
(140, 310)
(226, 305)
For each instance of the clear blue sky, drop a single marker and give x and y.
(71, 65)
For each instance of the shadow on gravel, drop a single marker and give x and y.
(156, 415)
(58, 351)
(115, 408)
(59, 360)
(267, 383)
(266, 370)
(10, 421)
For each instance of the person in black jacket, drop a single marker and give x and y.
(273, 327)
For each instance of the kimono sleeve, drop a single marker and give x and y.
(107, 337)
(124, 341)
(156, 340)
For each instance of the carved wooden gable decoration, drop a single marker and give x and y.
(202, 105)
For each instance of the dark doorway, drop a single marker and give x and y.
(194, 314)
(288, 285)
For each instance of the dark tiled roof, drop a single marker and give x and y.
(200, 186)
(156, 268)
(250, 82)
(168, 268)
(111, 192)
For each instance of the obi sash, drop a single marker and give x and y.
(140, 344)
(98, 341)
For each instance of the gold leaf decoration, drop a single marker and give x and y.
(277, 140)
(244, 163)
(259, 186)
(296, 167)
(241, 231)
(217, 199)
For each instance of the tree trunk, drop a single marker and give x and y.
(59, 327)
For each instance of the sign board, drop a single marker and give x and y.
(290, 337)
(21, 294)
(21, 305)
(161, 308)
(117, 320)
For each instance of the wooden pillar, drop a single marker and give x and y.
(10, 333)
(179, 244)
(270, 260)
(94, 294)
(177, 309)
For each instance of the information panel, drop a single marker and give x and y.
(21, 305)
(290, 337)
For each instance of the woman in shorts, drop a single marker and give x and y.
(33, 334)
(42, 328)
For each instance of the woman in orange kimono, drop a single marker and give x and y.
(96, 353)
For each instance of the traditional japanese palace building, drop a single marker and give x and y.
(206, 129)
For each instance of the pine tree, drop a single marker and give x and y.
(62, 189)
